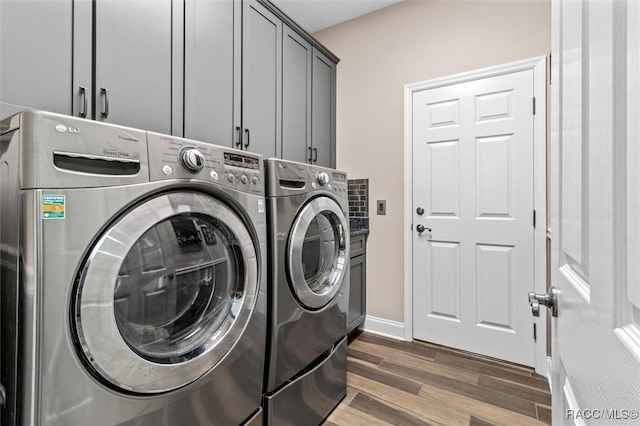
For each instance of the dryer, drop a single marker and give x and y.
(308, 271)
(131, 276)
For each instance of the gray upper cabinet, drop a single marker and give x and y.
(308, 102)
(261, 79)
(121, 70)
(36, 55)
(212, 90)
(323, 125)
(235, 73)
(133, 63)
(297, 55)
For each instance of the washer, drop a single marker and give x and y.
(132, 290)
(308, 292)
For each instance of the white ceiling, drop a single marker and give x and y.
(316, 15)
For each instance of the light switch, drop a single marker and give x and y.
(381, 207)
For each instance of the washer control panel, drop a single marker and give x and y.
(177, 158)
(323, 178)
(339, 183)
(191, 159)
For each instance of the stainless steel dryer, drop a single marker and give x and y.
(132, 290)
(308, 292)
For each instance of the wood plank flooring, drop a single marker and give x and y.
(391, 382)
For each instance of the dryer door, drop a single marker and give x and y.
(166, 292)
(318, 252)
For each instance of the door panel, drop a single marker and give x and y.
(444, 298)
(36, 53)
(494, 177)
(595, 162)
(473, 175)
(261, 71)
(296, 97)
(443, 161)
(495, 286)
(133, 62)
(323, 109)
(82, 89)
(209, 96)
(631, 322)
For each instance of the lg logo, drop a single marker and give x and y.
(61, 128)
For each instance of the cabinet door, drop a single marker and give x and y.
(297, 57)
(133, 63)
(261, 70)
(36, 56)
(323, 109)
(357, 293)
(209, 96)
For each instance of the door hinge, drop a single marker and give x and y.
(534, 105)
(534, 218)
(535, 334)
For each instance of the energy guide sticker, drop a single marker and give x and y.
(53, 207)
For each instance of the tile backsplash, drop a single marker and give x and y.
(358, 197)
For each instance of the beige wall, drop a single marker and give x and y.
(412, 41)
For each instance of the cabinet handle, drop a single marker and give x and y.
(105, 108)
(248, 141)
(239, 135)
(315, 155)
(310, 156)
(83, 95)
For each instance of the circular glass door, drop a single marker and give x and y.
(166, 292)
(318, 251)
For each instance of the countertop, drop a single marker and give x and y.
(358, 226)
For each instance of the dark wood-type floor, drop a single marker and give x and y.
(391, 382)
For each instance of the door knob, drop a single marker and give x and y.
(421, 229)
(550, 300)
(420, 211)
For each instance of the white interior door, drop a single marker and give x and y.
(596, 211)
(473, 176)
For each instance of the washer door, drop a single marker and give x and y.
(318, 252)
(166, 292)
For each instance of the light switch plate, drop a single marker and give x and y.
(381, 207)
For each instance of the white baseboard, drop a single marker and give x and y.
(384, 327)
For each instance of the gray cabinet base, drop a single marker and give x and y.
(357, 282)
(310, 398)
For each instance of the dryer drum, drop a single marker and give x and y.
(166, 292)
(317, 252)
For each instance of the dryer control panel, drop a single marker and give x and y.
(171, 157)
(287, 178)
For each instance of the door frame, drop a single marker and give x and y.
(540, 82)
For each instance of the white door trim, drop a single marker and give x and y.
(539, 67)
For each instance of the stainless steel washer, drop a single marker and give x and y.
(308, 292)
(131, 274)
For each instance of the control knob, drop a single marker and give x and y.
(323, 178)
(192, 159)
